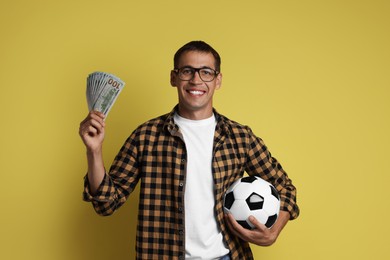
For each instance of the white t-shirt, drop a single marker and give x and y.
(203, 238)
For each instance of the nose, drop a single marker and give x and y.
(196, 78)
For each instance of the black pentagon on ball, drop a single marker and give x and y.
(274, 192)
(229, 199)
(255, 201)
(244, 224)
(271, 220)
(248, 179)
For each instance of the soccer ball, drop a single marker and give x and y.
(252, 196)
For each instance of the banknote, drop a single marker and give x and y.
(102, 91)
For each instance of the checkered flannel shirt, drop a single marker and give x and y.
(155, 153)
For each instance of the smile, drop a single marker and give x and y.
(196, 92)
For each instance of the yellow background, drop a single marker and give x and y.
(310, 77)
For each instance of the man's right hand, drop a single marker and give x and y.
(91, 131)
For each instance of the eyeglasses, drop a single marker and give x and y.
(188, 73)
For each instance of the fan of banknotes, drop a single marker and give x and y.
(102, 91)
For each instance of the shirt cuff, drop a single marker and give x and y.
(104, 192)
(290, 207)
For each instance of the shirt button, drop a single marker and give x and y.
(181, 184)
(183, 160)
(180, 209)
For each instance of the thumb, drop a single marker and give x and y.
(257, 223)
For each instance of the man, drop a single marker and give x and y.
(186, 160)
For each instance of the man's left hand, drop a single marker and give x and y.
(261, 235)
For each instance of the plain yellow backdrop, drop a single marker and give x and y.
(310, 77)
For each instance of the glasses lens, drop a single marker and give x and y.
(186, 73)
(206, 74)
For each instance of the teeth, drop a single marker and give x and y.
(196, 92)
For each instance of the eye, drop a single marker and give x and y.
(207, 72)
(186, 71)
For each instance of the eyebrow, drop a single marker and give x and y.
(190, 67)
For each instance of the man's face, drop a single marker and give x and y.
(195, 95)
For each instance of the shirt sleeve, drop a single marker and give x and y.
(261, 163)
(104, 202)
(117, 185)
(103, 194)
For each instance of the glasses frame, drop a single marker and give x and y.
(196, 70)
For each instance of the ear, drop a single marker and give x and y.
(218, 81)
(173, 78)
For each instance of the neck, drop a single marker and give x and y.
(195, 114)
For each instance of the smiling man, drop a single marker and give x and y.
(196, 76)
(186, 160)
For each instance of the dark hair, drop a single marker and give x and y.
(199, 46)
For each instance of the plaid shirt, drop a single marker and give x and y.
(155, 153)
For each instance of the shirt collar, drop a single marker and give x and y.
(169, 124)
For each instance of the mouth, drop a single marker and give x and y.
(196, 92)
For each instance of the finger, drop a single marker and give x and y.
(257, 223)
(94, 115)
(88, 131)
(85, 120)
(230, 225)
(99, 114)
(236, 228)
(92, 128)
(97, 124)
(92, 131)
(94, 121)
(91, 119)
(235, 224)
